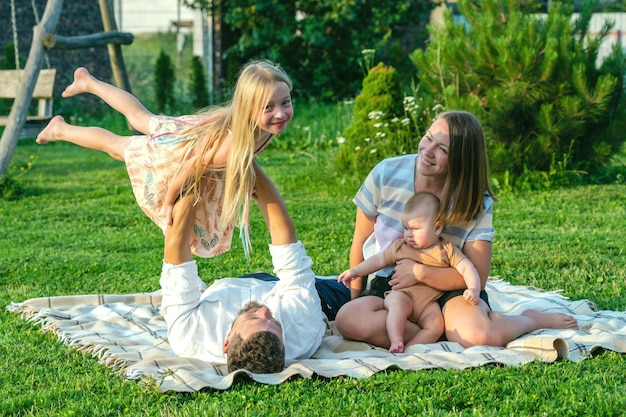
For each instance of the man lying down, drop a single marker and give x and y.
(247, 323)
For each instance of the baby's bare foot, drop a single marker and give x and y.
(51, 132)
(81, 79)
(396, 347)
(552, 320)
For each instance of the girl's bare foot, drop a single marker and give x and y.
(551, 320)
(51, 132)
(396, 347)
(81, 78)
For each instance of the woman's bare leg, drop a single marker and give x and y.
(88, 137)
(399, 308)
(476, 325)
(364, 319)
(122, 101)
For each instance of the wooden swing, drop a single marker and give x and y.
(32, 77)
(43, 91)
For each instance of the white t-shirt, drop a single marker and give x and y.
(199, 318)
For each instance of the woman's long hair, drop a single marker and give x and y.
(468, 168)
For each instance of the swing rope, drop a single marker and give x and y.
(37, 20)
(14, 25)
(15, 38)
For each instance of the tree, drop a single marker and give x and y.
(532, 80)
(198, 85)
(164, 79)
(319, 42)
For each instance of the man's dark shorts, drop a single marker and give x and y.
(332, 294)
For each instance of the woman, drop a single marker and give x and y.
(452, 164)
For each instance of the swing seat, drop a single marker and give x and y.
(43, 92)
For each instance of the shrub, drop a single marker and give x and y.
(534, 83)
(384, 123)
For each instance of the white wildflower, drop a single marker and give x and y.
(341, 140)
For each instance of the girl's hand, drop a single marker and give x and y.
(168, 205)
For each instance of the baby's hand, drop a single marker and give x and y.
(471, 295)
(346, 277)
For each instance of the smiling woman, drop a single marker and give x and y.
(451, 164)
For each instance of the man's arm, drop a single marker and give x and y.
(177, 236)
(279, 223)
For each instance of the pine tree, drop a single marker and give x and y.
(198, 84)
(164, 79)
(532, 80)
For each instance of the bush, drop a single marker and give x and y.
(384, 123)
(164, 80)
(534, 83)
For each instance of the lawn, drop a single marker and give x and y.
(78, 230)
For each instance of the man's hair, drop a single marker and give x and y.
(261, 353)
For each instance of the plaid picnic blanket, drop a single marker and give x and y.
(128, 334)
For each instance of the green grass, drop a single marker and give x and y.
(78, 230)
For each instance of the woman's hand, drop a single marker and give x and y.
(405, 274)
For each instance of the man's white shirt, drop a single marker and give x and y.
(199, 318)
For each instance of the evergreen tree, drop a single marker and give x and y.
(164, 79)
(198, 84)
(532, 80)
(376, 130)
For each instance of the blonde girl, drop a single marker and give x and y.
(209, 154)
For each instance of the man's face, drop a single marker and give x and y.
(253, 320)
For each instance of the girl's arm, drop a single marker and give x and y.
(409, 272)
(363, 228)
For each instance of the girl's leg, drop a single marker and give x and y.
(431, 322)
(364, 319)
(399, 308)
(122, 101)
(473, 325)
(88, 137)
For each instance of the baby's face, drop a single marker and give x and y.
(420, 231)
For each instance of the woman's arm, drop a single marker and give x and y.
(363, 228)
(407, 272)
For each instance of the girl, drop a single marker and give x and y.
(209, 154)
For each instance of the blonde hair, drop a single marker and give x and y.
(253, 89)
(468, 169)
